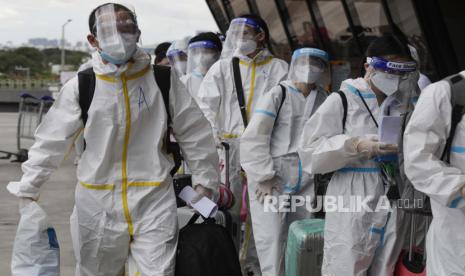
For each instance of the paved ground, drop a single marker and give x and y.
(57, 199)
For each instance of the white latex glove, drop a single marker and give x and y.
(266, 188)
(23, 201)
(201, 192)
(372, 147)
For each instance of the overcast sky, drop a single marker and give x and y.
(159, 20)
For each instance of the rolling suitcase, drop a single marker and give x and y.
(413, 262)
(304, 253)
(206, 249)
(223, 218)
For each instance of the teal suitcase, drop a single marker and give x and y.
(304, 253)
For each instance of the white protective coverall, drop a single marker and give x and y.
(269, 149)
(124, 201)
(192, 82)
(360, 241)
(218, 101)
(424, 142)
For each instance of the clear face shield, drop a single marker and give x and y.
(200, 56)
(392, 76)
(117, 34)
(308, 66)
(178, 60)
(241, 38)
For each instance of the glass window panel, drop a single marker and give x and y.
(403, 15)
(301, 21)
(278, 39)
(219, 13)
(239, 7)
(454, 18)
(337, 35)
(370, 21)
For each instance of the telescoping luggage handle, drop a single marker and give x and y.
(414, 262)
(227, 163)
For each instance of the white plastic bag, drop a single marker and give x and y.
(35, 251)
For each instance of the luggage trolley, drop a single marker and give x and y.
(30, 113)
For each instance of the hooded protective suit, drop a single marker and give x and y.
(218, 101)
(360, 241)
(424, 142)
(124, 202)
(268, 150)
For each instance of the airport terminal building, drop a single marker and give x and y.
(344, 28)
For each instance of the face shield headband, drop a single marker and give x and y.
(392, 67)
(175, 53)
(249, 22)
(312, 52)
(203, 44)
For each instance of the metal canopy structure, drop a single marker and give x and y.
(344, 28)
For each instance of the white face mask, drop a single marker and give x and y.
(386, 83)
(121, 52)
(246, 46)
(304, 74)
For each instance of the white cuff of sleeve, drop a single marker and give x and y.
(206, 183)
(21, 189)
(351, 145)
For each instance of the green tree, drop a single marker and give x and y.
(37, 60)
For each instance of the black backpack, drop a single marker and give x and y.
(409, 195)
(321, 181)
(206, 249)
(86, 84)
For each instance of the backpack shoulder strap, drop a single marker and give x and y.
(86, 86)
(457, 89)
(163, 79)
(239, 89)
(283, 97)
(344, 105)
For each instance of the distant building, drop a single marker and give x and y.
(55, 68)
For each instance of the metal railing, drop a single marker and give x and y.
(9, 84)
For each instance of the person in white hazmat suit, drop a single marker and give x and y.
(246, 40)
(203, 51)
(269, 155)
(177, 55)
(364, 238)
(424, 142)
(124, 201)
